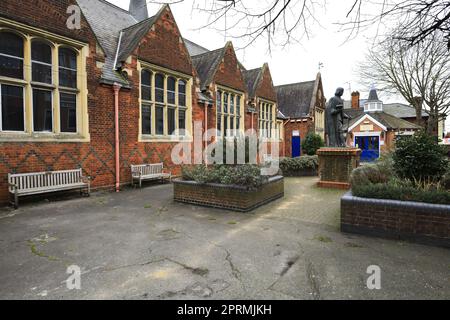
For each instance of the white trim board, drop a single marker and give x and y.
(367, 117)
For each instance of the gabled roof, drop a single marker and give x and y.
(294, 100)
(252, 79)
(207, 64)
(402, 110)
(107, 21)
(131, 37)
(194, 49)
(387, 120)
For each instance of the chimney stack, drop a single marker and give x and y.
(355, 100)
(139, 9)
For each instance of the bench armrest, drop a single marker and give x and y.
(86, 178)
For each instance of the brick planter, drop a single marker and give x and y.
(227, 197)
(336, 166)
(302, 173)
(413, 221)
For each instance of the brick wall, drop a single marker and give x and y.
(163, 46)
(94, 158)
(97, 157)
(266, 89)
(229, 74)
(44, 14)
(420, 222)
(303, 126)
(228, 197)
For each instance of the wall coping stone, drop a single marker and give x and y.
(409, 205)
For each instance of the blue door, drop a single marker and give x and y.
(296, 147)
(370, 147)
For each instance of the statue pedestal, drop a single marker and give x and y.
(336, 165)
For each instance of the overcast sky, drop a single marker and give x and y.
(297, 62)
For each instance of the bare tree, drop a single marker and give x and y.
(417, 20)
(421, 74)
(291, 20)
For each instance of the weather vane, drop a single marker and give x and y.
(321, 65)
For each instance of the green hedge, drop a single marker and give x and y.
(379, 181)
(306, 165)
(401, 190)
(312, 143)
(242, 175)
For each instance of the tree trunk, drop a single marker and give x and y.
(433, 125)
(418, 104)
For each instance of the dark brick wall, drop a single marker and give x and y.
(337, 164)
(420, 222)
(266, 89)
(229, 74)
(232, 198)
(45, 14)
(163, 45)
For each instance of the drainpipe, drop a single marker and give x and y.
(117, 88)
(206, 130)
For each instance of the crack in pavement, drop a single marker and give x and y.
(141, 264)
(311, 275)
(312, 281)
(234, 270)
(196, 271)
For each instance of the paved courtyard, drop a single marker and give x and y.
(139, 244)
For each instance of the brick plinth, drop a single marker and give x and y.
(412, 221)
(336, 166)
(234, 198)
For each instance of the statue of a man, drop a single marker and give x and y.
(335, 120)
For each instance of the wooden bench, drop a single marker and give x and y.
(26, 184)
(149, 172)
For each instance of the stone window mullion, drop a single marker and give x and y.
(166, 113)
(152, 105)
(28, 97)
(56, 93)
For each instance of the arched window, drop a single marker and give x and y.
(146, 95)
(41, 61)
(171, 83)
(11, 55)
(219, 111)
(182, 93)
(238, 112)
(67, 68)
(159, 88)
(146, 84)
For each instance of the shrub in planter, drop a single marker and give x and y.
(242, 175)
(445, 181)
(312, 143)
(298, 166)
(380, 172)
(419, 158)
(403, 190)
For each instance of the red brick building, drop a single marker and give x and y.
(302, 109)
(373, 129)
(122, 89)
